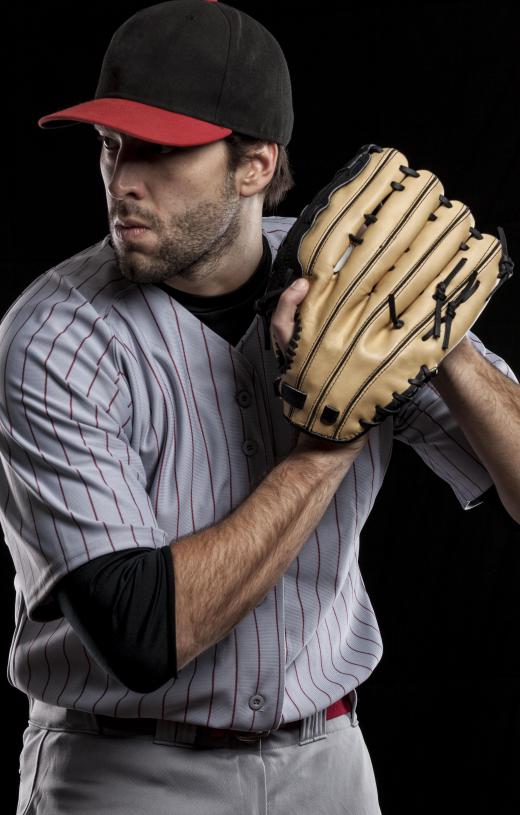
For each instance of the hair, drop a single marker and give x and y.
(239, 151)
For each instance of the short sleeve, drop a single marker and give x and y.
(427, 425)
(72, 487)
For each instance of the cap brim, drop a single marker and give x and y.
(139, 120)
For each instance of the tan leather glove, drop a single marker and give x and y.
(398, 274)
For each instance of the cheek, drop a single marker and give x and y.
(178, 190)
(103, 172)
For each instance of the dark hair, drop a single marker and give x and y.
(239, 150)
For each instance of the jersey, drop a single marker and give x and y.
(122, 605)
(126, 422)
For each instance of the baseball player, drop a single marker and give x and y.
(191, 623)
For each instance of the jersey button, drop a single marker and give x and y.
(256, 701)
(250, 447)
(243, 398)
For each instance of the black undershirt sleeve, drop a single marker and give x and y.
(122, 607)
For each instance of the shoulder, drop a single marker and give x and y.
(90, 277)
(59, 319)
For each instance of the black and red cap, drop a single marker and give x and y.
(189, 72)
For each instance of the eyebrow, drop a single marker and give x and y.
(103, 129)
(107, 132)
(112, 134)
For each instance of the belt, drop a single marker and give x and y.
(207, 734)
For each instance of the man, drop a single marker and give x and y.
(191, 621)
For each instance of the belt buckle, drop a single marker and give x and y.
(253, 736)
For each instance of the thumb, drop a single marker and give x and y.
(298, 290)
(282, 321)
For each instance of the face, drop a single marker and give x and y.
(186, 197)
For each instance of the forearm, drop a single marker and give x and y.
(224, 571)
(486, 405)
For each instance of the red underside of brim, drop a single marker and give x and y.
(141, 121)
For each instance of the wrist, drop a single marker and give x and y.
(316, 445)
(456, 366)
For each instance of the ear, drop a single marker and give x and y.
(253, 175)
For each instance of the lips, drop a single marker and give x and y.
(128, 233)
(130, 223)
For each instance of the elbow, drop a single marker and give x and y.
(502, 499)
(183, 659)
(515, 515)
(511, 504)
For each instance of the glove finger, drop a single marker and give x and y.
(467, 298)
(323, 244)
(334, 244)
(436, 246)
(427, 310)
(401, 221)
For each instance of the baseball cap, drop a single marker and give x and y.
(189, 72)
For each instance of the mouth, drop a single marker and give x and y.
(128, 233)
(127, 222)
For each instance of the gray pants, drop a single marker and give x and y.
(69, 765)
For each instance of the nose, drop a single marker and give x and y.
(125, 175)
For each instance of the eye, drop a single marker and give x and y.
(102, 140)
(161, 149)
(165, 148)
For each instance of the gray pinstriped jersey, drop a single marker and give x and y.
(125, 421)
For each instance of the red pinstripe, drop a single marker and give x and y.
(215, 390)
(181, 384)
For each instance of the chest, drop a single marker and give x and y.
(208, 426)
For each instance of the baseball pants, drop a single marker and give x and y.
(70, 765)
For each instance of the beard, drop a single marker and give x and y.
(190, 246)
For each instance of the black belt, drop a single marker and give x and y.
(203, 735)
(208, 735)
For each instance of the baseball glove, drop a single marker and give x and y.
(397, 275)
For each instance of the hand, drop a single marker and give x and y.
(282, 322)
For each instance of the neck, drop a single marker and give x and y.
(229, 270)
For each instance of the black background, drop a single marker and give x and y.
(441, 713)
